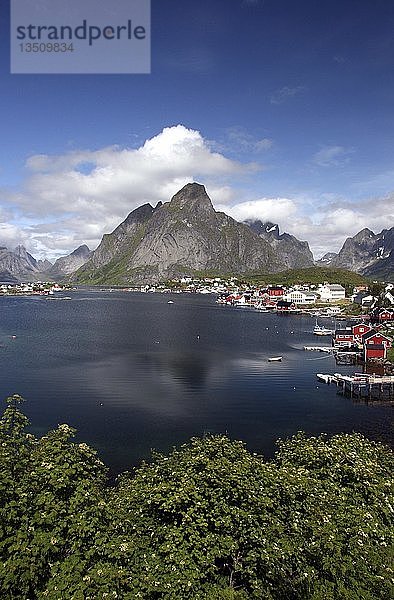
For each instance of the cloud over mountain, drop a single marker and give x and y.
(74, 198)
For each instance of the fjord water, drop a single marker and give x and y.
(132, 372)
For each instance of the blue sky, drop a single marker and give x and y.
(283, 109)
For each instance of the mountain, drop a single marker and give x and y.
(68, 264)
(288, 249)
(17, 265)
(368, 253)
(326, 260)
(26, 258)
(186, 236)
(7, 278)
(43, 265)
(181, 237)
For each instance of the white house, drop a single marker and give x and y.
(331, 292)
(299, 297)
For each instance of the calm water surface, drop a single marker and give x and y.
(132, 372)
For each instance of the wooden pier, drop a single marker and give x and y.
(362, 385)
(371, 387)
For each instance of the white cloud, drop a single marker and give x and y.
(325, 224)
(240, 140)
(221, 195)
(285, 93)
(263, 144)
(265, 209)
(74, 198)
(332, 156)
(12, 235)
(78, 196)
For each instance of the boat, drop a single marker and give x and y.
(170, 302)
(324, 377)
(322, 331)
(327, 378)
(319, 330)
(275, 359)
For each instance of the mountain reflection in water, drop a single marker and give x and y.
(132, 372)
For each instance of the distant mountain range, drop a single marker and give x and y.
(70, 263)
(288, 249)
(186, 236)
(366, 253)
(18, 265)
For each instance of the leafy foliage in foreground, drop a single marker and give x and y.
(210, 521)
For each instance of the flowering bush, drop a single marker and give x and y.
(209, 521)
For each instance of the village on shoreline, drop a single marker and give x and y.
(367, 334)
(324, 299)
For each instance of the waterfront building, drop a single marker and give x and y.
(331, 292)
(300, 297)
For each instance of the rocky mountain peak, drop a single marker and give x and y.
(68, 264)
(266, 229)
(183, 236)
(363, 235)
(21, 252)
(368, 253)
(43, 265)
(327, 259)
(292, 252)
(139, 215)
(82, 250)
(192, 196)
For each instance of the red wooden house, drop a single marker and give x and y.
(375, 345)
(343, 337)
(386, 314)
(374, 337)
(374, 351)
(276, 291)
(359, 330)
(382, 315)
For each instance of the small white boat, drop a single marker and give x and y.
(322, 331)
(319, 330)
(170, 302)
(323, 377)
(275, 359)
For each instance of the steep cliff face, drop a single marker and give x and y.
(182, 236)
(108, 263)
(123, 238)
(368, 253)
(288, 249)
